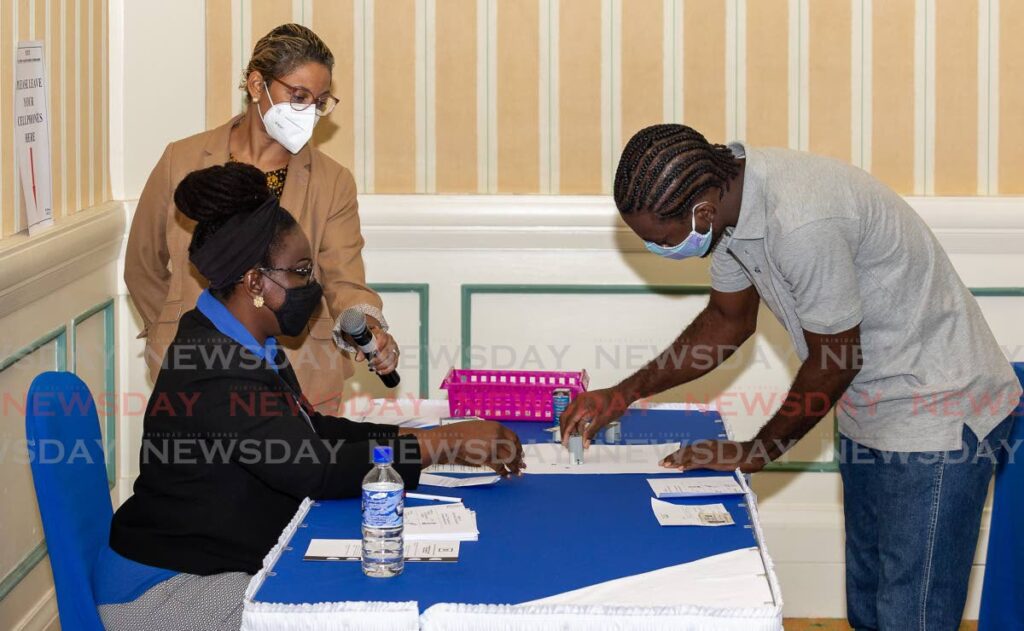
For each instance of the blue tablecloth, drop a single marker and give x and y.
(540, 535)
(1002, 600)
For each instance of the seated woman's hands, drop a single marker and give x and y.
(474, 443)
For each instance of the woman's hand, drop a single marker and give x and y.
(386, 359)
(474, 443)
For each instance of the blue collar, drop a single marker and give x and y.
(228, 324)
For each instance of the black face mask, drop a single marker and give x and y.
(299, 304)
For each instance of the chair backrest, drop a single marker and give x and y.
(68, 468)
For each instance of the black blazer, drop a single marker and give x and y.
(227, 456)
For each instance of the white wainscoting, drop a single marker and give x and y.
(559, 282)
(56, 313)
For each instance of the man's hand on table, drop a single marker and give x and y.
(590, 411)
(717, 455)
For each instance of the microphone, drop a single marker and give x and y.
(353, 322)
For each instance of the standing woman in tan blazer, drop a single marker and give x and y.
(287, 88)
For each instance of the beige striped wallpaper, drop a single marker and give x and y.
(539, 96)
(75, 33)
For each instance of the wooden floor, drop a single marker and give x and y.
(825, 624)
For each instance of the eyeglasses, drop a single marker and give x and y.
(301, 99)
(305, 272)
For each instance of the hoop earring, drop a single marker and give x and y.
(257, 302)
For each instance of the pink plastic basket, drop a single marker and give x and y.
(508, 395)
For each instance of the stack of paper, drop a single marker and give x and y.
(405, 411)
(429, 479)
(455, 468)
(695, 487)
(442, 522)
(352, 549)
(669, 514)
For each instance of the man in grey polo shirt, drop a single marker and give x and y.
(888, 335)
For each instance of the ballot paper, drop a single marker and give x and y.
(455, 468)
(548, 458)
(400, 421)
(454, 420)
(440, 522)
(351, 550)
(407, 411)
(695, 487)
(429, 479)
(669, 514)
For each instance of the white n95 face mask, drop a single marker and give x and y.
(288, 126)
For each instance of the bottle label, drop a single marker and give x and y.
(383, 509)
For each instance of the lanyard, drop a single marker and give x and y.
(298, 402)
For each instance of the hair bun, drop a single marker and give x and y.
(215, 193)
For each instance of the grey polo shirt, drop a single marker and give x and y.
(828, 247)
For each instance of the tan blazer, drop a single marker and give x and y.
(319, 192)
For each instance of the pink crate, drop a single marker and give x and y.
(508, 395)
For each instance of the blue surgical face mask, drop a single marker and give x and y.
(695, 243)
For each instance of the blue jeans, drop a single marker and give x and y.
(912, 522)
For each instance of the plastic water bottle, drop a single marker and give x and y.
(383, 504)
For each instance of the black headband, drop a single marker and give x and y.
(238, 245)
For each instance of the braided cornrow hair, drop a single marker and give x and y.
(666, 168)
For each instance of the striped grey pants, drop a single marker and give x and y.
(185, 602)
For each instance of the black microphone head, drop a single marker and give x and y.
(391, 379)
(352, 321)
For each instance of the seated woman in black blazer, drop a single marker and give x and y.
(229, 446)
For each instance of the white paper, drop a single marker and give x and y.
(669, 514)
(434, 498)
(407, 410)
(351, 550)
(455, 468)
(429, 479)
(401, 421)
(32, 134)
(441, 522)
(695, 487)
(547, 458)
(455, 420)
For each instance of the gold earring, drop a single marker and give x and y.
(257, 302)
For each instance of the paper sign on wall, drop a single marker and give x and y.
(32, 134)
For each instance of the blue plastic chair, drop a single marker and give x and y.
(70, 477)
(1002, 597)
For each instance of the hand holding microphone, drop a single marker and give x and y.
(381, 353)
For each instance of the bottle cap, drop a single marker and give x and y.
(382, 455)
